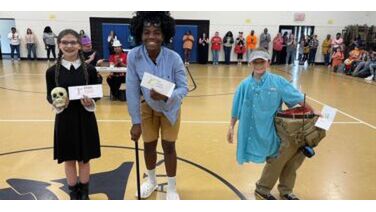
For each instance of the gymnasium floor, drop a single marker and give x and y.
(344, 166)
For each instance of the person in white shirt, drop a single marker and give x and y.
(14, 38)
(30, 44)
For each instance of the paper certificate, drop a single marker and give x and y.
(160, 85)
(91, 91)
(328, 115)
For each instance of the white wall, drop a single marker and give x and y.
(5, 26)
(324, 22)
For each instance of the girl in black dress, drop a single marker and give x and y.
(203, 48)
(76, 138)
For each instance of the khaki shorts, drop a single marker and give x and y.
(153, 122)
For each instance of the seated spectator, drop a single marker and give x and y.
(354, 56)
(372, 68)
(114, 80)
(337, 59)
(363, 69)
(90, 55)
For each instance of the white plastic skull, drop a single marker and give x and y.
(59, 97)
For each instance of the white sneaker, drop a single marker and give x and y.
(369, 78)
(147, 189)
(172, 195)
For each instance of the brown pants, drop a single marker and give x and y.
(154, 122)
(283, 167)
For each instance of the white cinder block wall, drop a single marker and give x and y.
(325, 22)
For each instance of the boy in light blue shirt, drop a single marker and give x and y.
(256, 101)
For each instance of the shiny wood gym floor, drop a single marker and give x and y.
(344, 166)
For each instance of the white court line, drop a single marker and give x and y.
(346, 114)
(129, 121)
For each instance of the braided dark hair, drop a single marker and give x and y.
(57, 67)
(163, 18)
(84, 66)
(60, 55)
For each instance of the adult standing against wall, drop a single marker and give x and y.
(203, 48)
(313, 45)
(240, 47)
(216, 42)
(228, 40)
(188, 40)
(49, 42)
(291, 49)
(30, 44)
(277, 48)
(110, 39)
(265, 39)
(251, 41)
(14, 39)
(337, 42)
(325, 49)
(284, 48)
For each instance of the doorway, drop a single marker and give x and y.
(299, 33)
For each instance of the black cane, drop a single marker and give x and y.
(138, 172)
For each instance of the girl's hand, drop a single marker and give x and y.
(87, 102)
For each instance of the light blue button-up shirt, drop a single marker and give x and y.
(255, 105)
(169, 66)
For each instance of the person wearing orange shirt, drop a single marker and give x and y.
(188, 40)
(251, 42)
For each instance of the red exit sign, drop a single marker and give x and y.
(299, 16)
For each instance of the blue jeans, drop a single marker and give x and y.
(292, 54)
(215, 57)
(14, 48)
(327, 59)
(227, 54)
(249, 51)
(312, 56)
(31, 48)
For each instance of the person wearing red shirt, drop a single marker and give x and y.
(114, 80)
(216, 42)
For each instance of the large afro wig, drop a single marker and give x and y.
(163, 18)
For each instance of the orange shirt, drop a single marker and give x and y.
(188, 42)
(251, 41)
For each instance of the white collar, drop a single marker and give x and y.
(67, 64)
